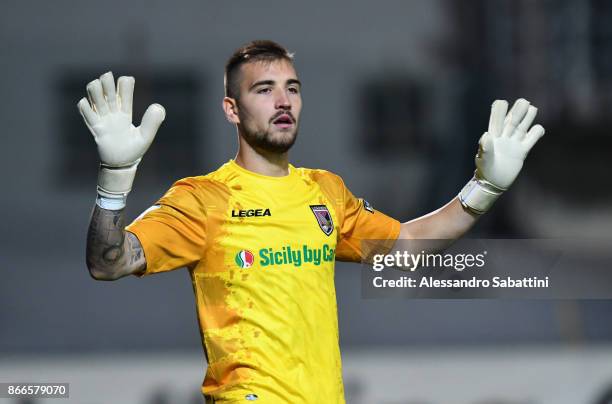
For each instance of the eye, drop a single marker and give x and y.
(265, 90)
(294, 90)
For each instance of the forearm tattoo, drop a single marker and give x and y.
(111, 250)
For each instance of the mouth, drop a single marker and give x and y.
(283, 121)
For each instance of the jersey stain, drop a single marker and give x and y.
(214, 293)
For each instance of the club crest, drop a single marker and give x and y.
(323, 218)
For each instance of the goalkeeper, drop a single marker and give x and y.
(259, 236)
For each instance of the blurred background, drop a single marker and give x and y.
(396, 95)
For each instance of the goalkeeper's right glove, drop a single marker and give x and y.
(121, 145)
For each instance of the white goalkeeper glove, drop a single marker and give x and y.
(121, 145)
(502, 150)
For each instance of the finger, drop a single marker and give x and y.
(534, 135)
(516, 115)
(523, 127)
(496, 120)
(125, 86)
(108, 86)
(153, 117)
(519, 104)
(485, 143)
(96, 97)
(88, 114)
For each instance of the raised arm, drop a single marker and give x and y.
(111, 251)
(502, 150)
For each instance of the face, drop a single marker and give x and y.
(268, 107)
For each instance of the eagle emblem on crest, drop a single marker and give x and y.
(323, 218)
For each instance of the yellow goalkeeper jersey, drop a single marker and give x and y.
(261, 252)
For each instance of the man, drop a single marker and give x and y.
(258, 235)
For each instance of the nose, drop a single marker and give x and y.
(282, 101)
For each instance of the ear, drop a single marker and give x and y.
(230, 107)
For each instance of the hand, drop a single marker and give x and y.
(503, 148)
(501, 152)
(109, 118)
(121, 145)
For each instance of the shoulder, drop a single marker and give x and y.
(211, 185)
(330, 183)
(320, 176)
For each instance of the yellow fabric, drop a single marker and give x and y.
(268, 325)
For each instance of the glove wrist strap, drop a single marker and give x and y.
(478, 195)
(115, 181)
(114, 184)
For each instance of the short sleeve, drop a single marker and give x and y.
(173, 231)
(364, 231)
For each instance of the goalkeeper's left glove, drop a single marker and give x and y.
(502, 150)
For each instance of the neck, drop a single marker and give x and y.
(261, 162)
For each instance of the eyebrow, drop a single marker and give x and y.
(272, 82)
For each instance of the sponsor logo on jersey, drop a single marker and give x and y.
(367, 206)
(287, 255)
(323, 218)
(244, 259)
(251, 212)
(296, 256)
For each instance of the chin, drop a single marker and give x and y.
(282, 136)
(280, 144)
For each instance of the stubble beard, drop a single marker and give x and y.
(268, 141)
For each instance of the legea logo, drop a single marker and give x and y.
(244, 259)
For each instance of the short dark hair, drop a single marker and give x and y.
(254, 51)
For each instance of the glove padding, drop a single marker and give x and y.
(121, 145)
(501, 153)
(504, 147)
